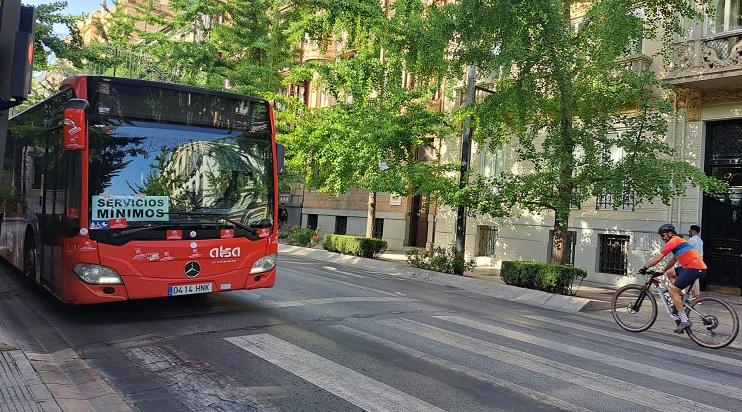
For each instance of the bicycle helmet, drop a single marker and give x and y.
(667, 227)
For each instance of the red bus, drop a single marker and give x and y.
(116, 189)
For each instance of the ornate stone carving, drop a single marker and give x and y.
(722, 96)
(690, 99)
(696, 58)
(722, 53)
(682, 58)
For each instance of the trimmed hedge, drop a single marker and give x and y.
(541, 276)
(439, 259)
(298, 236)
(354, 245)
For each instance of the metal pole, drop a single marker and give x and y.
(471, 73)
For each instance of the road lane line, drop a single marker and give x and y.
(634, 339)
(338, 272)
(472, 373)
(342, 282)
(330, 301)
(655, 372)
(356, 388)
(648, 397)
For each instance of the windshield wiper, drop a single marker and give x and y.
(155, 227)
(248, 229)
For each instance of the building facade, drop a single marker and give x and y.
(613, 243)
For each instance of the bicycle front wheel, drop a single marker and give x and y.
(715, 323)
(633, 308)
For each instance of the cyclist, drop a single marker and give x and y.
(691, 268)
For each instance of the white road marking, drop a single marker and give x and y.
(648, 397)
(475, 374)
(330, 301)
(668, 375)
(354, 387)
(634, 339)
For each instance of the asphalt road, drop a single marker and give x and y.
(339, 338)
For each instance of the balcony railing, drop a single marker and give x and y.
(718, 56)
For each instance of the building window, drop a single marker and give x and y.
(378, 228)
(605, 202)
(613, 254)
(727, 16)
(487, 241)
(312, 222)
(569, 250)
(491, 164)
(341, 225)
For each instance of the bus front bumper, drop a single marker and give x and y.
(141, 287)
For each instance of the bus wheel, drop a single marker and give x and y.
(30, 258)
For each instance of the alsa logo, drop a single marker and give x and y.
(224, 252)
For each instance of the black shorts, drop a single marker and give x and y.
(686, 277)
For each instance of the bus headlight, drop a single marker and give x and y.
(264, 264)
(97, 274)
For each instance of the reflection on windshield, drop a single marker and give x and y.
(197, 169)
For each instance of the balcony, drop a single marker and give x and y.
(707, 63)
(637, 62)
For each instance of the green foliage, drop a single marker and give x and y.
(583, 122)
(354, 245)
(439, 259)
(47, 44)
(298, 236)
(541, 276)
(377, 118)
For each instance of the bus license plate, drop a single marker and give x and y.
(189, 289)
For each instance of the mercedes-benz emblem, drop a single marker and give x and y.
(192, 269)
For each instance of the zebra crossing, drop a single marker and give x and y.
(558, 370)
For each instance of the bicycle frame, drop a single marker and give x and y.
(658, 279)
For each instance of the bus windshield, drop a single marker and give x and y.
(165, 173)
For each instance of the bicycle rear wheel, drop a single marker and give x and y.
(634, 309)
(715, 323)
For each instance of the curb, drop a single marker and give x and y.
(527, 296)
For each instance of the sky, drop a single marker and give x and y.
(73, 7)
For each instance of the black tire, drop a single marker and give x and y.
(30, 258)
(719, 325)
(622, 308)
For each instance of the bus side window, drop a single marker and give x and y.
(73, 192)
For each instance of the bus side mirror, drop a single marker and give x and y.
(75, 128)
(280, 158)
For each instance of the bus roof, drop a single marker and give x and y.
(163, 85)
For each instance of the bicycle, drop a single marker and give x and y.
(711, 316)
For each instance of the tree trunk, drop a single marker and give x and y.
(371, 216)
(561, 236)
(565, 185)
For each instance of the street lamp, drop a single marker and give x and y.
(471, 87)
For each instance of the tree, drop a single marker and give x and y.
(237, 45)
(368, 140)
(563, 93)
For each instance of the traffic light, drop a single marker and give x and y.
(17, 27)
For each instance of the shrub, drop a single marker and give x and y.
(298, 236)
(354, 245)
(541, 276)
(439, 259)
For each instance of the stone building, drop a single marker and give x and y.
(613, 243)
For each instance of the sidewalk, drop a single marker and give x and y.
(598, 294)
(31, 380)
